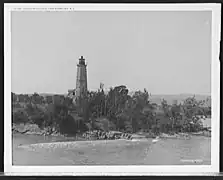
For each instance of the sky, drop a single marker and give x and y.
(164, 52)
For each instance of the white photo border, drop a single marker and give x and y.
(114, 170)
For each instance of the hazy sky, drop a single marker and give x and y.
(164, 52)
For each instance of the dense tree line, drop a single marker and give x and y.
(115, 110)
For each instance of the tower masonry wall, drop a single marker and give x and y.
(81, 80)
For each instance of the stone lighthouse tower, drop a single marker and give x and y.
(81, 80)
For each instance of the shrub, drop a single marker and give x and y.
(19, 117)
(38, 119)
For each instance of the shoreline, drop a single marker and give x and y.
(33, 129)
(79, 138)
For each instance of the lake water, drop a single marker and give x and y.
(112, 152)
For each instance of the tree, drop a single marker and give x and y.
(13, 97)
(115, 110)
(19, 117)
(49, 99)
(36, 98)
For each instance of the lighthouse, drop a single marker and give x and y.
(81, 79)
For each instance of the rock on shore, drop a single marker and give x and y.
(32, 129)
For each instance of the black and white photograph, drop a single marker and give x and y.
(120, 88)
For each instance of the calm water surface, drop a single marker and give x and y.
(117, 152)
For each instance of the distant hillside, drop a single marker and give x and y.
(49, 94)
(158, 98)
(179, 97)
